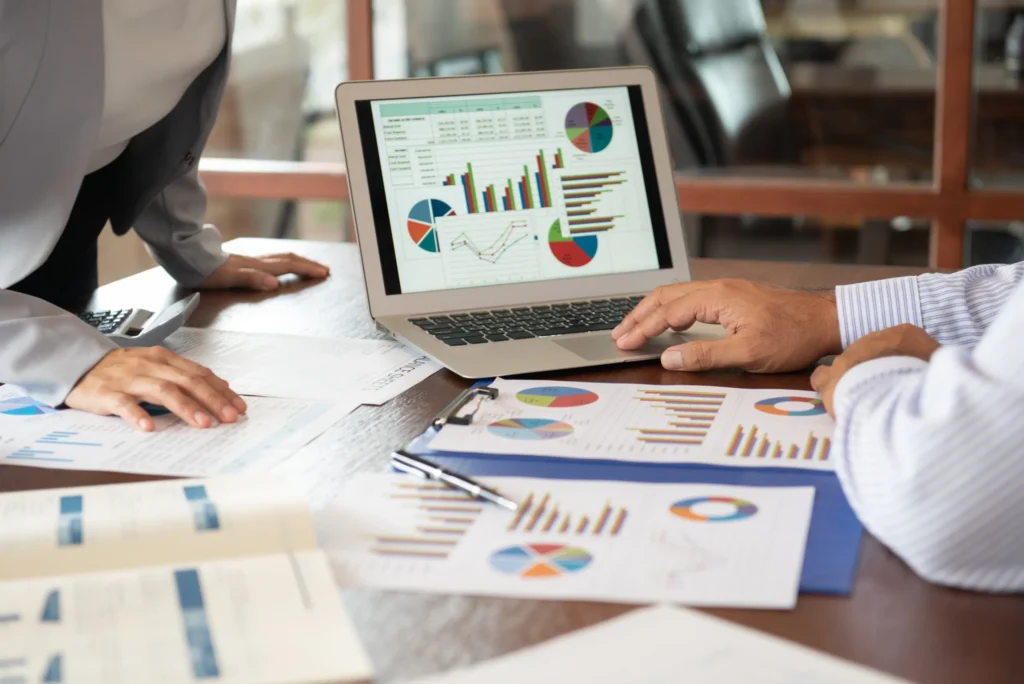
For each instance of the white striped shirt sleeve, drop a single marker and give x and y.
(953, 308)
(931, 455)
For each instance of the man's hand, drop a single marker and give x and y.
(124, 377)
(260, 273)
(769, 329)
(901, 340)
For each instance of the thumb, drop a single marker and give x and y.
(703, 355)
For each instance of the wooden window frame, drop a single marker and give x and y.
(949, 201)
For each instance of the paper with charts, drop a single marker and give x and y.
(649, 423)
(302, 367)
(709, 545)
(170, 581)
(32, 434)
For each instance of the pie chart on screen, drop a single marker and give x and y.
(422, 219)
(575, 251)
(588, 127)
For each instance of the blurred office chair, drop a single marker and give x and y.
(726, 96)
(723, 77)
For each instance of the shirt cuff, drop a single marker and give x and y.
(849, 387)
(865, 308)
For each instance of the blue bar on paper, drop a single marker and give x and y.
(504, 203)
(69, 524)
(204, 511)
(51, 609)
(197, 629)
(54, 670)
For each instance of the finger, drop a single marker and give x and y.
(649, 304)
(193, 369)
(285, 255)
(291, 263)
(197, 388)
(121, 404)
(731, 352)
(253, 279)
(678, 314)
(820, 377)
(169, 395)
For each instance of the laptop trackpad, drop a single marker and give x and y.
(602, 347)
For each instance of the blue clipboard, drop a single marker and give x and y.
(833, 542)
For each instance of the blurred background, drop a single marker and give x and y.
(802, 92)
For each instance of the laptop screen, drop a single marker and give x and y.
(481, 190)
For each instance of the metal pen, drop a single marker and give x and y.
(420, 466)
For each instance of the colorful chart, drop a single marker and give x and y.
(684, 509)
(537, 561)
(574, 251)
(589, 127)
(530, 428)
(23, 406)
(422, 218)
(557, 397)
(816, 406)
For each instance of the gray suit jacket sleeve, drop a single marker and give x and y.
(45, 349)
(172, 227)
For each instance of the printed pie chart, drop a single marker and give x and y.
(23, 406)
(557, 397)
(574, 252)
(530, 428)
(422, 217)
(540, 561)
(736, 509)
(588, 127)
(814, 406)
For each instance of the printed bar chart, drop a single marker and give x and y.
(442, 516)
(543, 516)
(689, 416)
(750, 443)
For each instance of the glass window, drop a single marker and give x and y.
(287, 58)
(897, 242)
(793, 88)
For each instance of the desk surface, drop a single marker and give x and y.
(893, 621)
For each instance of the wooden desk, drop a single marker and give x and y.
(893, 621)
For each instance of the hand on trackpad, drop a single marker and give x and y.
(603, 347)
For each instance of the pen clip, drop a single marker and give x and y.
(451, 415)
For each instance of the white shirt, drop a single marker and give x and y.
(153, 49)
(931, 455)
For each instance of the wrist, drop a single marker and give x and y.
(827, 322)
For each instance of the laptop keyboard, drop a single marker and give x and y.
(521, 323)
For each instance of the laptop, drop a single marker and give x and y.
(506, 223)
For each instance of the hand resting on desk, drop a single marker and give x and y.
(260, 273)
(124, 377)
(769, 329)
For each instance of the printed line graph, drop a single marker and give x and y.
(512, 235)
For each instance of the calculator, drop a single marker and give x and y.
(140, 328)
(117, 321)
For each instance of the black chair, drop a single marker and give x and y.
(726, 94)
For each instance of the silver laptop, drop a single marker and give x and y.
(507, 223)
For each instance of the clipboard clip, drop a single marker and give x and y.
(465, 406)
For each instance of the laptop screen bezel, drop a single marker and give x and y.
(380, 271)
